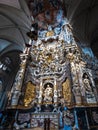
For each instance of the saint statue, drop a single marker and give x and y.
(87, 85)
(48, 94)
(88, 91)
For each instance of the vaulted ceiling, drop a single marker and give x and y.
(83, 16)
(15, 22)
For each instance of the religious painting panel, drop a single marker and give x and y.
(29, 93)
(66, 91)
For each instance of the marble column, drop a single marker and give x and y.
(55, 91)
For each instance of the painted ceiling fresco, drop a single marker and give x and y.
(47, 12)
